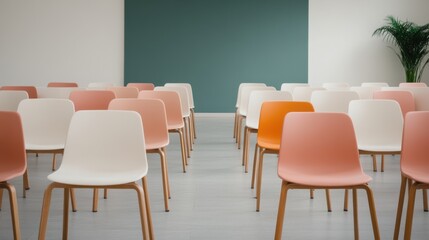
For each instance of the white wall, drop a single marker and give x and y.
(341, 46)
(61, 40)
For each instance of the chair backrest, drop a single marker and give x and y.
(415, 84)
(256, 99)
(56, 92)
(377, 122)
(100, 85)
(237, 103)
(304, 93)
(272, 116)
(100, 141)
(152, 112)
(245, 95)
(13, 160)
(91, 99)
(374, 84)
(365, 92)
(421, 96)
(188, 89)
(31, 90)
(318, 143)
(62, 84)
(404, 98)
(184, 98)
(142, 86)
(415, 140)
(332, 101)
(289, 87)
(9, 100)
(336, 86)
(45, 121)
(124, 92)
(173, 107)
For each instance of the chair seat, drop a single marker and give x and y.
(269, 144)
(384, 148)
(44, 147)
(7, 174)
(419, 174)
(332, 179)
(156, 145)
(91, 177)
(172, 126)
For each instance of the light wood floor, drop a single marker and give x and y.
(213, 200)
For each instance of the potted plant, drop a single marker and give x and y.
(412, 42)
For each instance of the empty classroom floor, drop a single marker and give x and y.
(213, 200)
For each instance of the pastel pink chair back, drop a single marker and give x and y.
(125, 92)
(91, 99)
(142, 86)
(404, 98)
(62, 84)
(415, 84)
(31, 90)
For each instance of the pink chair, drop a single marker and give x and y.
(414, 165)
(31, 90)
(404, 98)
(175, 121)
(13, 161)
(142, 86)
(91, 99)
(62, 84)
(414, 84)
(156, 137)
(319, 151)
(125, 92)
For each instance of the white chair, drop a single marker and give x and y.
(104, 149)
(56, 92)
(256, 99)
(332, 101)
(9, 100)
(336, 86)
(365, 92)
(289, 87)
(303, 94)
(374, 84)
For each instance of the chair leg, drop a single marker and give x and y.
(143, 211)
(328, 200)
(1, 197)
(259, 179)
(355, 214)
(164, 179)
(374, 162)
(234, 134)
(410, 211)
(26, 183)
(95, 200)
(400, 207)
(66, 213)
(186, 134)
(193, 123)
(371, 204)
(166, 171)
(105, 193)
(53, 161)
(238, 139)
(382, 163)
(73, 200)
(182, 147)
(255, 165)
(45, 211)
(245, 148)
(281, 211)
(346, 200)
(148, 211)
(13, 208)
(425, 200)
(311, 193)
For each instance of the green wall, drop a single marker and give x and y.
(215, 45)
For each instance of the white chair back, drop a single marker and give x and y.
(332, 101)
(9, 100)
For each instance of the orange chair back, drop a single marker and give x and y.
(62, 84)
(142, 86)
(91, 99)
(271, 121)
(31, 90)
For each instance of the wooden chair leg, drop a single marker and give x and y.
(95, 200)
(13, 208)
(382, 163)
(164, 179)
(255, 166)
(374, 162)
(346, 200)
(148, 211)
(355, 214)
(186, 133)
(54, 160)
(105, 193)
(234, 134)
(66, 212)
(238, 139)
(45, 211)
(311, 193)
(425, 200)
(259, 180)
(328, 200)
(245, 148)
(410, 211)
(26, 184)
(73, 200)
(281, 211)
(371, 204)
(193, 123)
(143, 212)
(182, 147)
(1, 197)
(400, 207)
(166, 171)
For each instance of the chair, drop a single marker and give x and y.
(336, 86)
(12, 161)
(289, 87)
(100, 85)
(269, 136)
(303, 94)
(414, 166)
(319, 151)
(142, 86)
(45, 124)
(9, 100)
(124, 92)
(31, 90)
(62, 84)
(378, 127)
(56, 92)
(413, 85)
(332, 101)
(404, 98)
(173, 110)
(91, 99)
(374, 84)
(256, 99)
(421, 97)
(93, 157)
(365, 92)
(152, 112)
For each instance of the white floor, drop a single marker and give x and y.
(213, 200)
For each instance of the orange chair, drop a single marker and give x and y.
(91, 99)
(31, 90)
(404, 98)
(125, 92)
(175, 121)
(414, 165)
(269, 136)
(154, 120)
(13, 161)
(319, 151)
(142, 86)
(62, 84)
